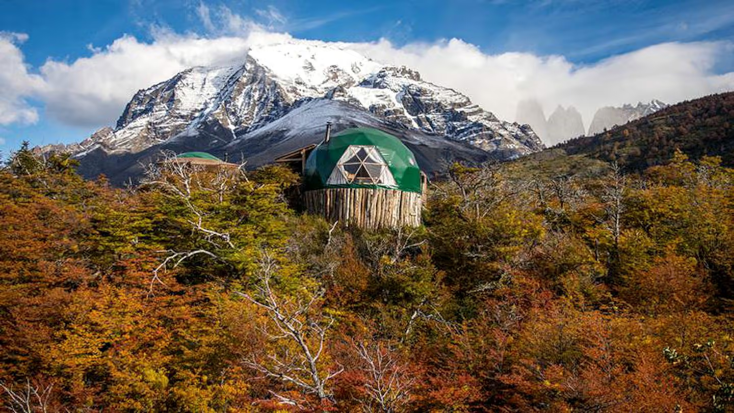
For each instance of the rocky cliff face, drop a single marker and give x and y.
(530, 112)
(608, 117)
(561, 125)
(214, 108)
(565, 124)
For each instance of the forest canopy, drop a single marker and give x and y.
(700, 127)
(209, 291)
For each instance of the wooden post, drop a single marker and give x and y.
(369, 208)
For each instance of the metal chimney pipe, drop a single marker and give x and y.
(328, 132)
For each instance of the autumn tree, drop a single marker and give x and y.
(297, 331)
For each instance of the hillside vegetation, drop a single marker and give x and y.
(700, 127)
(207, 292)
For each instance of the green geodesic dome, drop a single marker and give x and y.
(199, 155)
(362, 158)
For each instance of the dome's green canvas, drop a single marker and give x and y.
(399, 158)
(200, 155)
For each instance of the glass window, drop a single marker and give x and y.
(361, 164)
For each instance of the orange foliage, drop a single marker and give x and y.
(608, 295)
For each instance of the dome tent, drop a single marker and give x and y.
(201, 160)
(199, 155)
(364, 177)
(362, 158)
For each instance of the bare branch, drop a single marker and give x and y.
(178, 257)
(29, 399)
(388, 383)
(293, 323)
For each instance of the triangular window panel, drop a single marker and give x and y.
(353, 159)
(361, 164)
(352, 168)
(362, 154)
(374, 170)
(364, 175)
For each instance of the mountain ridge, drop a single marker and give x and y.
(221, 108)
(698, 127)
(609, 116)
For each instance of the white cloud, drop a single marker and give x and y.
(16, 84)
(221, 21)
(272, 16)
(2, 141)
(670, 72)
(92, 91)
(205, 16)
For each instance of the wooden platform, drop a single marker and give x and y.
(369, 208)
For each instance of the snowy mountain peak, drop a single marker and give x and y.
(187, 92)
(658, 103)
(313, 67)
(608, 117)
(402, 71)
(225, 107)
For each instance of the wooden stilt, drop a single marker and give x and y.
(369, 208)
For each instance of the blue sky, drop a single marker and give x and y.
(584, 32)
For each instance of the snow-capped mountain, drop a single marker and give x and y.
(608, 117)
(221, 109)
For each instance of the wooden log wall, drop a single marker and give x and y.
(369, 208)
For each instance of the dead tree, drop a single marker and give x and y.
(558, 197)
(388, 382)
(481, 189)
(613, 198)
(29, 398)
(613, 195)
(182, 181)
(299, 332)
